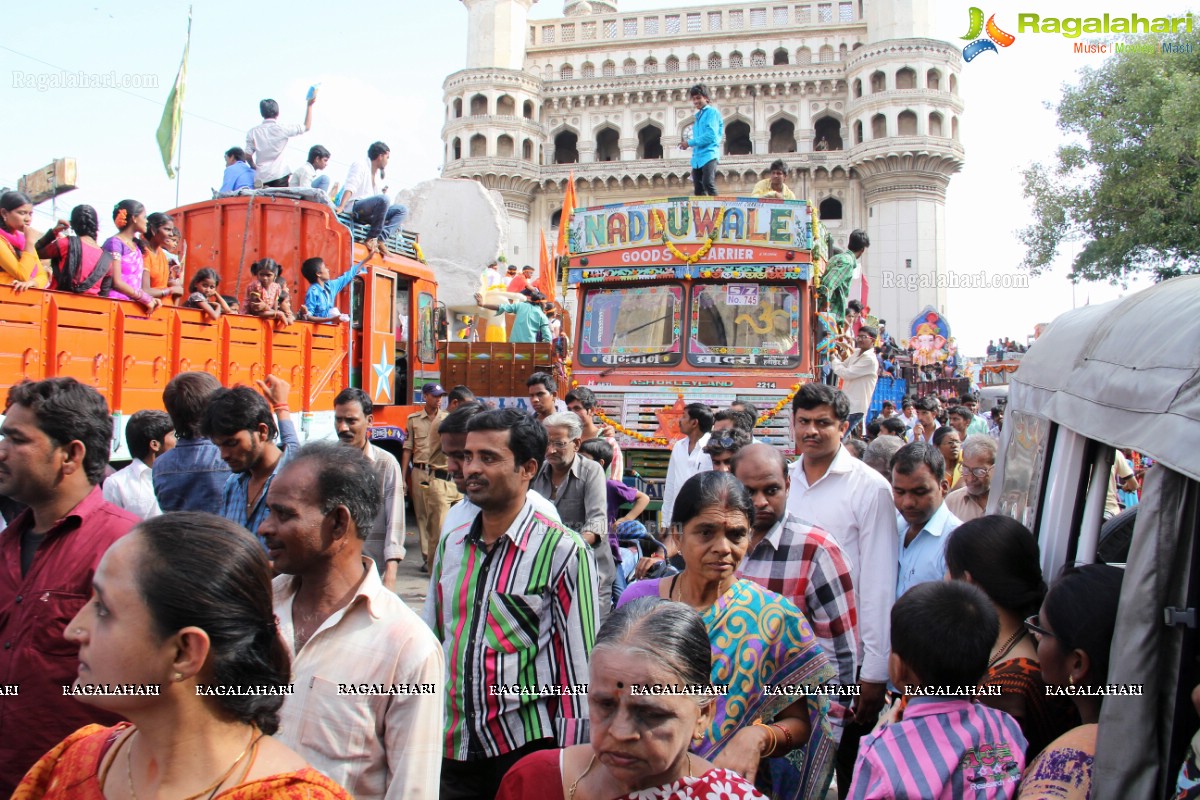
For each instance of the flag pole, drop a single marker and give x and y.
(179, 150)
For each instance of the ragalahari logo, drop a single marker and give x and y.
(995, 36)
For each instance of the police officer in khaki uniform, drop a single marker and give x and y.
(432, 490)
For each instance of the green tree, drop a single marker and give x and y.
(1127, 185)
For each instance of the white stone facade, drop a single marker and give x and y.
(603, 94)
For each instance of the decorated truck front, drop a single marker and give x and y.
(691, 300)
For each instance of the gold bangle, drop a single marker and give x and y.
(774, 739)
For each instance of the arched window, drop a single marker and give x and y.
(935, 124)
(954, 128)
(650, 66)
(906, 78)
(506, 106)
(608, 69)
(457, 107)
(566, 72)
(843, 51)
(878, 82)
(857, 88)
(933, 80)
(629, 67)
(906, 123)
(588, 70)
(953, 84)
(825, 55)
(650, 142)
(548, 72)
(781, 56)
(827, 134)
(556, 219)
(456, 148)
(783, 137)
(693, 62)
(758, 59)
(607, 146)
(479, 106)
(504, 146)
(830, 209)
(714, 60)
(527, 150)
(566, 148)
(879, 127)
(672, 64)
(858, 132)
(804, 56)
(737, 139)
(478, 146)
(527, 109)
(735, 60)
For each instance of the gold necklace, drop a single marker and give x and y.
(211, 789)
(592, 763)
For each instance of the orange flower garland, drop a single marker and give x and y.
(704, 248)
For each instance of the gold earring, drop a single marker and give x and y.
(1071, 680)
(178, 676)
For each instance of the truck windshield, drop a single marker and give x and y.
(635, 326)
(736, 324)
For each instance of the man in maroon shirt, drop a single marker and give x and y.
(53, 450)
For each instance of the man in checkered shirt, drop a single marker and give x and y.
(800, 562)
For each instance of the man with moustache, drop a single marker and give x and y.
(513, 599)
(384, 541)
(431, 489)
(839, 493)
(53, 451)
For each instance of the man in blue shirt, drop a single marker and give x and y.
(190, 476)
(238, 174)
(919, 487)
(705, 143)
(531, 323)
(319, 300)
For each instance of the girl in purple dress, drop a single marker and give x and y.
(125, 250)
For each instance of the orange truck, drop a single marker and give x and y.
(389, 349)
(700, 299)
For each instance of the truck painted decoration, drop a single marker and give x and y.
(745, 324)
(633, 326)
(745, 225)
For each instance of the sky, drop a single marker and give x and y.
(380, 67)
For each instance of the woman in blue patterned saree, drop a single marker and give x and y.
(766, 727)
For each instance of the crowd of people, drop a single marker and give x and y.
(998, 351)
(222, 612)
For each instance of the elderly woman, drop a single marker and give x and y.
(1074, 634)
(181, 606)
(1000, 556)
(764, 651)
(639, 741)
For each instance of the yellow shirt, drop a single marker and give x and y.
(763, 189)
(19, 267)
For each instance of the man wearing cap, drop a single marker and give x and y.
(531, 323)
(520, 283)
(432, 491)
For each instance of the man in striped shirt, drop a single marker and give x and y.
(514, 603)
(946, 747)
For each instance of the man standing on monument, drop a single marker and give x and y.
(839, 275)
(705, 143)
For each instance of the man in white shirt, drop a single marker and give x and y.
(927, 422)
(266, 143)
(919, 486)
(859, 371)
(384, 541)
(687, 456)
(838, 493)
(365, 195)
(368, 673)
(306, 177)
(148, 434)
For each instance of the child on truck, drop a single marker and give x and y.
(321, 296)
(267, 296)
(202, 294)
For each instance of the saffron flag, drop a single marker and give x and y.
(564, 219)
(545, 282)
(172, 119)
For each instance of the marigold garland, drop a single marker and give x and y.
(420, 254)
(704, 248)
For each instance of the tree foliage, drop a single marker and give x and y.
(1127, 185)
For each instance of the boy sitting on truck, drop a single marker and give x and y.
(320, 299)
